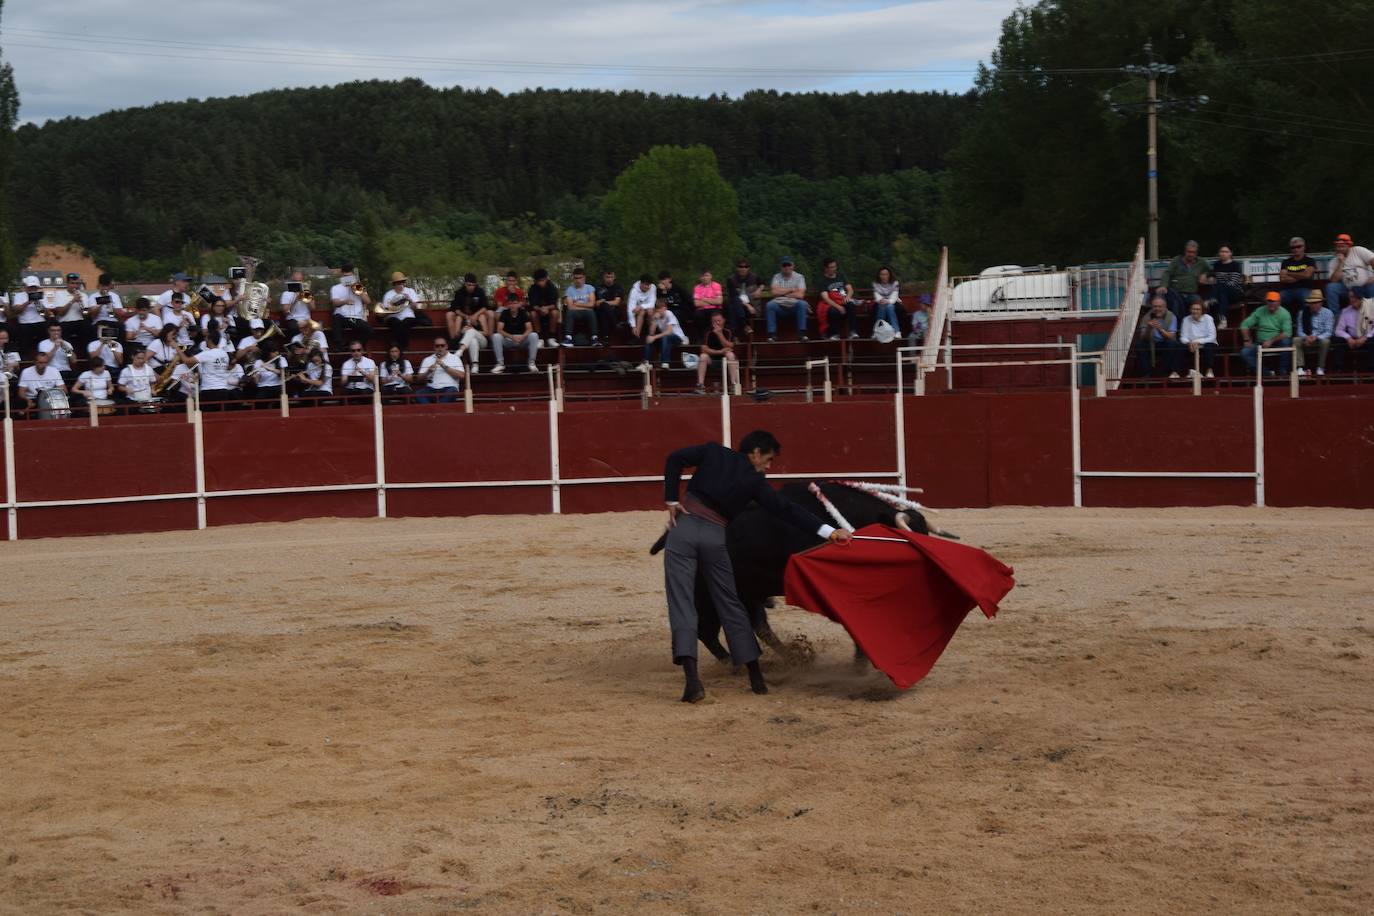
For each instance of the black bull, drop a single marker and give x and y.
(760, 544)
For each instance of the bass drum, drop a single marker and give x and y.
(53, 404)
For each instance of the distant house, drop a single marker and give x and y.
(315, 272)
(48, 279)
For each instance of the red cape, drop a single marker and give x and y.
(901, 602)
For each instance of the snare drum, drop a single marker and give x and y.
(53, 404)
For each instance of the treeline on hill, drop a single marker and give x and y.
(291, 176)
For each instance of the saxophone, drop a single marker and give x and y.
(254, 304)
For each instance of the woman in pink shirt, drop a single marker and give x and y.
(708, 298)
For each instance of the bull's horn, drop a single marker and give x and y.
(903, 522)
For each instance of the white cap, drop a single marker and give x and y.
(31, 281)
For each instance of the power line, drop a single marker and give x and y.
(1271, 132)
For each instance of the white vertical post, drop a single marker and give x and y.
(553, 458)
(1292, 381)
(827, 379)
(1259, 445)
(1100, 378)
(725, 419)
(467, 396)
(901, 438)
(285, 401)
(11, 490)
(1076, 432)
(198, 436)
(94, 411)
(379, 449)
(553, 395)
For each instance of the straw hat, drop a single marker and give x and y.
(398, 277)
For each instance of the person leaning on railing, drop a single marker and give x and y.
(1272, 325)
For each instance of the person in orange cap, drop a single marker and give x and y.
(1351, 272)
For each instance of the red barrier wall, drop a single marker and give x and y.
(1319, 452)
(79, 462)
(307, 449)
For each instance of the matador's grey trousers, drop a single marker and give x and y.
(696, 543)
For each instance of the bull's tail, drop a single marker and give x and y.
(659, 544)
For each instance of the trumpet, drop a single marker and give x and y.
(306, 295)
(359, 287)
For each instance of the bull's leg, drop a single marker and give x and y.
(758, 618)
(708, 621)
(859, 655)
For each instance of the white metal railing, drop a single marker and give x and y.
(939, 312)
(1001, 293)
(1118, 347)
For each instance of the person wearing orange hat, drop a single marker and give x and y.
(1351, 272)
(1272, 326)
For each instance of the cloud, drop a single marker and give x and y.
(77, 59)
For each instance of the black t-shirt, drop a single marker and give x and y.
(543, 294)
(609, 293)
(717, 340)
(1295, 265)
(513, 321)
(677, 300)
(1228, 275)
(469, 302)
(735, 284)
(836, 283)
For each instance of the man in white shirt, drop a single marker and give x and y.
(1351, 272)
(214, 363)
(295, 303)
(401, 302)
(61, 354)
(108, 348)
(440, 375)
(359, 373)
(310, 336)
(136, 381)
(9, 363)
(181, 285)
(37, 377)
(71, 307)
(26, 310)
(106, 307)
(176, 313)
(143, 327)
(350, 309)
(640, 303)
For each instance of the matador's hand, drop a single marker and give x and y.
(674, 510)
(840, 536)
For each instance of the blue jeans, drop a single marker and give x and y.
(1178, 302)
(1159, 360)
(1226, 297)
(428, 395)
(886, 311)
(1337, 293)
(1295, 300)
(1248, 354)
(665, 349)
(797, 307)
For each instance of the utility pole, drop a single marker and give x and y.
(1151, 72)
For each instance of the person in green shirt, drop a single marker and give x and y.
(1182, 280)
(1271, 326)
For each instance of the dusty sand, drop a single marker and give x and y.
(353, 716)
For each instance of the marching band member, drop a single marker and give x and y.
(269, 373)
(309, 335)
(359, 372)
(9, 362)
(95, 386)
(181, 286)
(294, 307)
(218, 317)
(317, 377)
(37, 377)
(441, 373)
(175, 314)
(107, 346)
(164, 351)
(107, 308)
(403, 300)
(214, 363)
(142, 329)
(31, 325)
(71, 308)
(61, 354)
(396, 372)
(136, 381)
(350, 303)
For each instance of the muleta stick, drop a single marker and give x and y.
(879, 487)
(830, 507)
(877, 492)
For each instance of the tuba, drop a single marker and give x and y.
(253, 305)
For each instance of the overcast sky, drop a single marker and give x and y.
(77, 57)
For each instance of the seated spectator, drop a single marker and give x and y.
(309, 335)
(707, 299)
(920, 321)
(1198, 334)
(165, 349)
(107, 346)
(515, 331)
(439, 374)
(359, 374)
(610, 296)
(1271, 326)
(1180, 284)
(37, 377)
(351, 302)
(1156, 346)
(142, 328)
(396, 372)
(789, 296)
(61, 354)
(107, 307)
(836, 304)
(663, 329)
(719, 343)
(317, 376)
(543, 299)
(269, 371)
(137, 379)
(509, 292)
(1351, 272)
(742, 298)
(1353, 337)
(401, 305)
(678, 299)
(1228, 285)
(1296, 273)
(887, 298)
(95, 386)
(1312, 331)
(469, 309)
(640, 304)
(9, 359)
(579, 307)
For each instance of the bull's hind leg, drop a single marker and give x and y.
(708, 621)
(758, 619)
(860, 657)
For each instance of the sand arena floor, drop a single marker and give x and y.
(422, 716)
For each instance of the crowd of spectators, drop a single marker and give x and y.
(165, 349)
(1321, 318)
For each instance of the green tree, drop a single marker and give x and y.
(9, 112)
(672, 209)
(371, 257)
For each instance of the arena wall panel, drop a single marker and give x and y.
(821, 438)
(1319, 452)
(1144, 492)
(1030, 438)
(289, 507)
(496, 500)
(110, 518)
(947, 449)
(616, 497)
(630, 443)
(306, 449)
(1169, 434)
(81, 462)
(455, 446)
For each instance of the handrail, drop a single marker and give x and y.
(1132, 301)
(939, 311)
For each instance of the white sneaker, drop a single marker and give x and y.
(1321, 371)
(1193, 373)
(1221, 325)
(1301, 373)
(551, 342)
(498, 369)
(1210, 374)
(644, 366)
(532, 367)
(663, 365)
(1173, 375)
(473, 368)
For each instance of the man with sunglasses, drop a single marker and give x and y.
(441, 374)
(741, 298)
(1296, 273)
(359, 373)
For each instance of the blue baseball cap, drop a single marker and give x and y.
(180, 276)
(787, 259)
